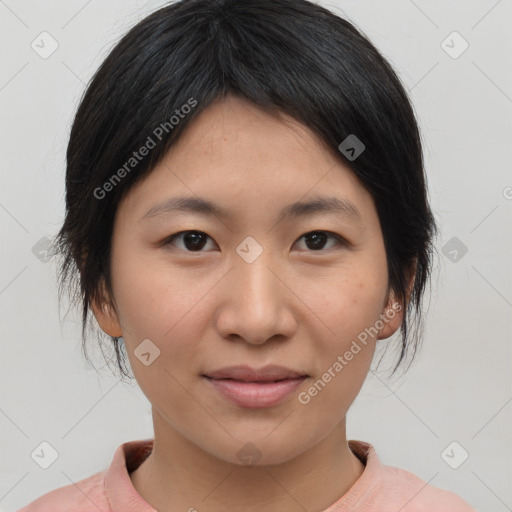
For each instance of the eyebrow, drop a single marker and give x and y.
(205, 207)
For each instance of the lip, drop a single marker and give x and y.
(255, 388)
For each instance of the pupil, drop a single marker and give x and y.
(318, 240)
(193, 240)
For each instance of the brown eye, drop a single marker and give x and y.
(192, 241)
(316, 240)
(196, 241)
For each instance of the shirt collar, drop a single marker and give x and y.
(123, 497)
(121, 494)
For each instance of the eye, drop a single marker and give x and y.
(193, 241)
(315, 240)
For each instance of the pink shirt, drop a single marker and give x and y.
(380, 488)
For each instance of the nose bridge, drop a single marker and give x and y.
(256, 285)
(256, 305)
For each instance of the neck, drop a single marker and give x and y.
(178, 475)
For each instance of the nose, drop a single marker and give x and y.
(256, 303)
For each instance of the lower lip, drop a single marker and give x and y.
(255, 394)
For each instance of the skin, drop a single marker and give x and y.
(295, 305)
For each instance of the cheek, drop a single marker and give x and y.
(142, 287)
(350, 305)
(344, 352)
(156, 304)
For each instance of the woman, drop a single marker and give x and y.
(246, 217)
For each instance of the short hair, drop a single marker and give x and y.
(289, 56)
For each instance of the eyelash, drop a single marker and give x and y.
(341, 241)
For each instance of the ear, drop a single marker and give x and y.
(106, 315)
(394, 311)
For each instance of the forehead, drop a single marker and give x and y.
(234, 128)
(235, 157)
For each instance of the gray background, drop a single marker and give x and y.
(460, 388)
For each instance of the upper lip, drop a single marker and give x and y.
(246, 373)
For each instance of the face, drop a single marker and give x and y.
(254, 284)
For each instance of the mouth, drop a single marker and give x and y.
(271, 373)
(255, 388)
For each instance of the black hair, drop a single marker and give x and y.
(289, 56)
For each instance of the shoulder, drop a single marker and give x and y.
(87, 495)
(416, 495)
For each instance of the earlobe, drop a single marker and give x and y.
(391, 318)
(394, 311)
(107, 318)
